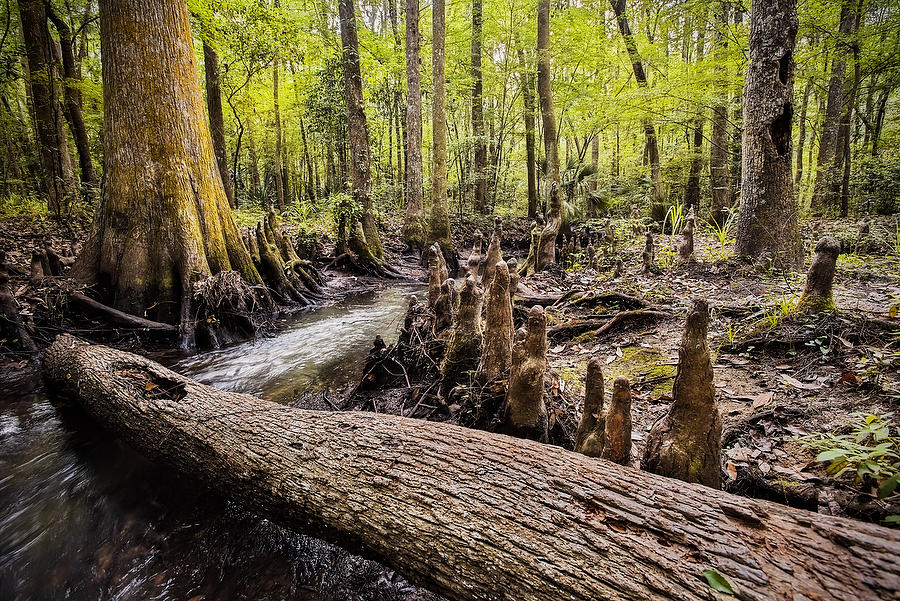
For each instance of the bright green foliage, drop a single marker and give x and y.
(870, 451)
(594, 92)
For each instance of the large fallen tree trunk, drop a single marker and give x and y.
(473, 515)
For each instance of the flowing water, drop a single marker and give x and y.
(84, 518)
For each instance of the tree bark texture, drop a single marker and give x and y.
(58, 177)
(545, 91)
(216, 118)
(163, 220)
(473, 515)
(767, 224)
(718, 144)
(439, 222)
(414, 221)
(72, 97)
(480, 163)
(358, 135)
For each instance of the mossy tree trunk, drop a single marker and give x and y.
(439, 222)
(163, 220)
(58, 178)
(530, 154)
(414, 222)
(364, 240)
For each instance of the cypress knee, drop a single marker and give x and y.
(817, 295)
(687, 442)
(437, 273)
(590, 437)
(475, 258)
(498, 328)
(37, 267)
(445, 307)
(525, 414)
(464, 349)
(618, 424)
(514, 277)
(647, 256)
(686, 243)
(492, 257)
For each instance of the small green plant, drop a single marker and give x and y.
(869, 451)
(723, 231)
(896, 239)
(731, 332)
(674, 217)
(787, 304)
(771, 318)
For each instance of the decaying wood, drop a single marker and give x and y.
(472, 515)
(817, 295)
(525, 413)
(687, 442)
(120, 318)
(590, 437)
(599, 326)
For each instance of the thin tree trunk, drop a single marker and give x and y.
(216, 118)
(652, 145)
(414, 219)
(279, 182)
(527, 83)
(163, 221)
(473, 515)
(801, 139)
(480, 164)
(364, 241)
(72, 96)
(439, 223)
(718, 145)
(767, 224)
(545, 92)
(737, 117)
(253, 167)
(58, 177)
(826, 192)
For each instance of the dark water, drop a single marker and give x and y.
(82, 517)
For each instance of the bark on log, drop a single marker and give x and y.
(473, 515)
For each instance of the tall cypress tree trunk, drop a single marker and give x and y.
(439, 223)
(480, 164)
(737, 117)
(58, 177)
(692, 189)
(253, 166)
(545, 92)
(530, 151)
(163, 221)
(216, 119)
(414, 220)
(364, 238)
(826, 191)
(72, 96)
(767, 223)
(718, 145)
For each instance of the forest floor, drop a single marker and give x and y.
(778, 376)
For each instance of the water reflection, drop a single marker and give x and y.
(82, 517)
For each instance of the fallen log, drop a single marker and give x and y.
(473, 515)
(120, 318)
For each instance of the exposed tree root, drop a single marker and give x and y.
(120, 318)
